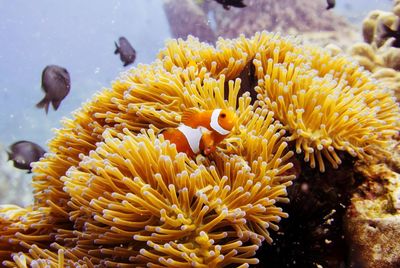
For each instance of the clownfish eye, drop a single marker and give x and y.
(222, 115)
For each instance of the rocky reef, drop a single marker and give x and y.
(207, 19)
(373, 218)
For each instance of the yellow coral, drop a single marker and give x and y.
(112, 192)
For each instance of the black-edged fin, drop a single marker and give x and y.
(188, 116)
(56, 104)
(43, 103)
(116, 48)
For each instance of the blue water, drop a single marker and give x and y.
(78, 35)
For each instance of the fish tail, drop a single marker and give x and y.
(55, 104)
(43, 103)
(116, 48)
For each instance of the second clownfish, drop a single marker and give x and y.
(200, 132)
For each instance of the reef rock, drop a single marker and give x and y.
(207, 19)
(373, 219)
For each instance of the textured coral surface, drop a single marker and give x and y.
(373, 218)
(379, 54)
(112, 192)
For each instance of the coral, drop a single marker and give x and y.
(378, 54)
(375, 210)
(282, 16)
(194, 24)
(369, 248)
(111, 192)
(207, 19)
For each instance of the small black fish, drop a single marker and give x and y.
(331, 4)
(227, 3)
(23, 153)
(126, 51)
(56, 83)
(392, 33)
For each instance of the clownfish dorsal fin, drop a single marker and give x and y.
(188, 117)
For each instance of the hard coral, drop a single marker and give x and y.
(113, 193)
(372, 220)
(379, 54)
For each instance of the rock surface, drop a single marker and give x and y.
(372, 220)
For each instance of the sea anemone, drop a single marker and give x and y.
(113, 192)
(326, 103)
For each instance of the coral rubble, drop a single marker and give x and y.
(111, 192)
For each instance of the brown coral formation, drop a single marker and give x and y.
(373, 219)
(378, 54)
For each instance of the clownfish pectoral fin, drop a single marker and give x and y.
(188, 116)
(207, 143)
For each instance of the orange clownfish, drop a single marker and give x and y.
(200, 132)
(219, 121)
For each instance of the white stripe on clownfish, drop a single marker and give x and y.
(215, 125)
(193, 136)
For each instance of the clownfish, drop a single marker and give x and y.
(200, 132)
